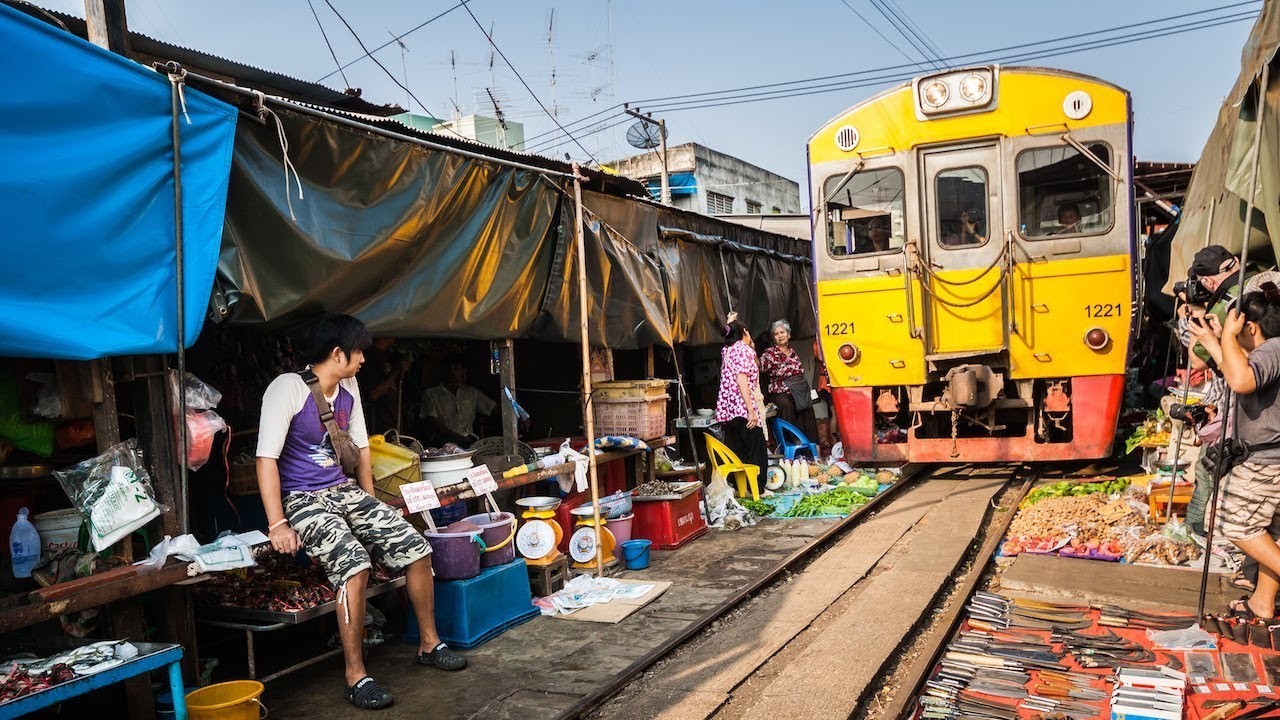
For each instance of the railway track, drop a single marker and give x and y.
(840, 625)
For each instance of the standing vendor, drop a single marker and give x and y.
(449, 409)
(316, 478)
(383, 377)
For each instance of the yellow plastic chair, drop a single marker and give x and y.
(727, 464)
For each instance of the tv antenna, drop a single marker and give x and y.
(404, 69)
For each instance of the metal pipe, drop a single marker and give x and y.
(176, 78)
(307, 110)
(1233, 401)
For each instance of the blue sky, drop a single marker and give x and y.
(663, 48)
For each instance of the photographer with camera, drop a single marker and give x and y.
(1246, 348)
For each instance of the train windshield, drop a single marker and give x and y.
(865, 212)
(1063, 193)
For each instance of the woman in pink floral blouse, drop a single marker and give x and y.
(779, 363)
(739, 407)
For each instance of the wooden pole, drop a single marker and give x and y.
(507, 379)
(106, 23)
(588, 420)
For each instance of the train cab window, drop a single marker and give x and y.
(1062, 193)
(865, 212)
(962, 207)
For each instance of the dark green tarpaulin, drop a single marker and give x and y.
(420, 242)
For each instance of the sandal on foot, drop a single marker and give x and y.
(369, 695)
(442, 657)
(1240, 609)
(1239, 580)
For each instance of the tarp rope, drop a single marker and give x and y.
(260, 101)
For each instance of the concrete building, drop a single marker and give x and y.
(482, 129)
(794, 225)
(713, 183)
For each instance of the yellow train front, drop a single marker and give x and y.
(974, 252)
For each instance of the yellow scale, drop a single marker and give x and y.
(539, 538)
(582, 546)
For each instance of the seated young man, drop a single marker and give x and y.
(313, 504)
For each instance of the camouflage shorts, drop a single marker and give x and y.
(1250, 498)
(336, 524)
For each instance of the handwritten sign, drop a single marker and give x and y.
(481, 480)
(420, 496)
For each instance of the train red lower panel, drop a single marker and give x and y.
(1095, 408)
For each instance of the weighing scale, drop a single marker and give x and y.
(582, 545)
(538, 537)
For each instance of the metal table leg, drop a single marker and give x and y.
(177, 689)
(253, 665)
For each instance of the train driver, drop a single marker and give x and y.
(1068, 219)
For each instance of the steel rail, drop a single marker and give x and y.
(911, 475)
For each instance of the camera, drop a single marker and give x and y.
(1193, 291)
(1193, 414)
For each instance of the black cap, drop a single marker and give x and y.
(1210, 260)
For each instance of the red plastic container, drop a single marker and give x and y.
(565, 517)
(669, 523)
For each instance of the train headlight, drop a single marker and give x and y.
(956, 92)
(849, 353)
(935, 94)
(1097, 339)
(973, 88)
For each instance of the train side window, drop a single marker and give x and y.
(1062, 193)
(865, 212)
(962, 207)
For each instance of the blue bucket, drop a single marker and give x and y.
(635, 553)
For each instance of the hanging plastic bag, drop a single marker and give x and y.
(201, 429)
(578, 482)
(112, 490)
(200, 395)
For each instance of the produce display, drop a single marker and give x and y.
(837, 501)
(1101, 519)
(26, 674)
(1067, 488)
(1155, 432)
(820, 490)
(278, 583)
(654, 488)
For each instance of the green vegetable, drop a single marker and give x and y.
(838, 501)
(759, 507)
(1066, 488)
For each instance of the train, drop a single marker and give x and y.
(975, 266)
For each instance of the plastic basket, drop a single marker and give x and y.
(629, 390)
(644, 418)
(393, 466)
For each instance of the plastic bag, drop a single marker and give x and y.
(200, 395)
(1191, 638)
(48, 399)
(722, 507)
(201, 428)
(112, 490)
(36, 437)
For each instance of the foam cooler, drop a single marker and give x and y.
(670, 520)
(471, 612)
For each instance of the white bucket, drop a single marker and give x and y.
(445, 478)
(59, 529)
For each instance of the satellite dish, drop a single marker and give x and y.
(644, 135)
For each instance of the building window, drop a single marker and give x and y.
(754, 208)
(777, 210)
(718, 204)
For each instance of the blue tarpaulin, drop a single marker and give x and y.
(682, 183)
(86, 198)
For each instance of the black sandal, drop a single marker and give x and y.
(1240, 609)
(442, 657)
(366, 694)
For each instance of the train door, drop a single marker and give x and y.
(962, 255)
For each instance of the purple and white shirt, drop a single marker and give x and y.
(291, 432)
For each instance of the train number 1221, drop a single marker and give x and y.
(838, 328)
(1103, 310)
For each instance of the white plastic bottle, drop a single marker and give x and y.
(24, 546)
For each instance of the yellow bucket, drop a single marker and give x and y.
(235, 700)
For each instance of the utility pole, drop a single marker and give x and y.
(665, 196)
(107, 27)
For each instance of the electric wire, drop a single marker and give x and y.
(375, 60)
(328, 44)
(897, 25)
(407, 33)
(876, 30)
(520, 77)
(726, 98)
(917, 30)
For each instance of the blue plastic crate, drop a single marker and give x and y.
(471, 612)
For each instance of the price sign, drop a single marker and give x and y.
(420, 496)
(481, 480)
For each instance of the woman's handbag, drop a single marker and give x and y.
(800, 392)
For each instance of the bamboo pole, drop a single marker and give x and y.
(588, 419)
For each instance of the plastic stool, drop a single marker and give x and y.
(726, 463)
(782, 428)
